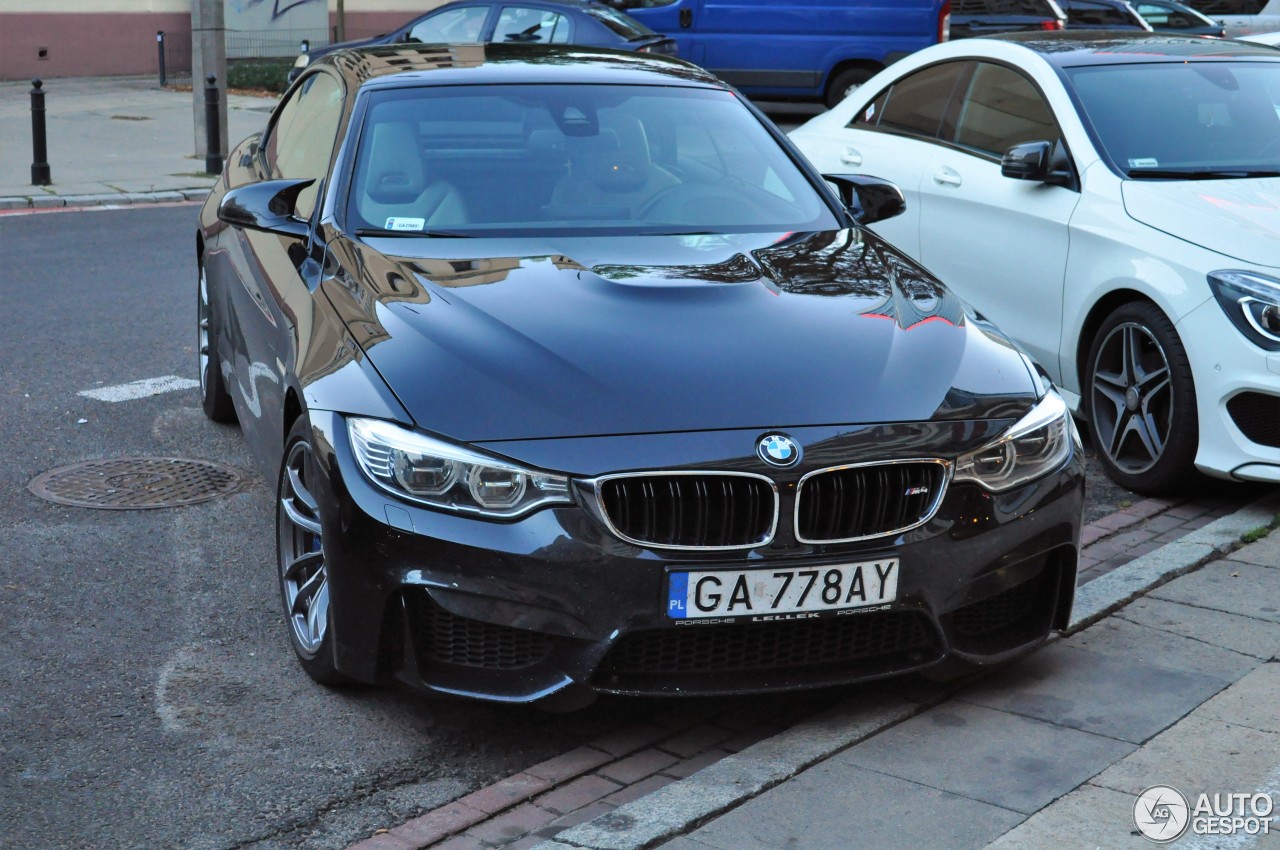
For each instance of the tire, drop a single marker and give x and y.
(300, 559)
(843, 82)
(214, 397)
(1141, 401)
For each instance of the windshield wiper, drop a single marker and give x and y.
(1205, 174)
(378, 231)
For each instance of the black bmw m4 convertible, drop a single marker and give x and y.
(575, 378)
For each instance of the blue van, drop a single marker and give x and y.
(811, 49)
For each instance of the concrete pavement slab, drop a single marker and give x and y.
(1244, 635)
(112, 135)
(1231, 586)
(1089, 817)
(1264, 552)
(993, 756)
(1200, 754)
(1254, 701)
(1112, 695)
(840, 805)
(1164, 647)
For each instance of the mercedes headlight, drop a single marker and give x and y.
(1252, 303)
(302, 61)
(1036, 445)
(431, 472)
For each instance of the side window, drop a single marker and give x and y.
(918, 103)
(537, 26)
(302, 137)
(870, 114)
(1003, 109)
(465, 24)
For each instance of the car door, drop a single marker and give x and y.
(893, 136)
(298, 144)
(1000, 243)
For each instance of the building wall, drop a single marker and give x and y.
(85, 38)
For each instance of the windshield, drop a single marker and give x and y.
(573, 159)
(1198, 118)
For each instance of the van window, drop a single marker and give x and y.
(918, 103)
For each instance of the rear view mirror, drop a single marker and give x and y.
(266, 206)
(1041, 161)
(869, 199)
(1028, 161)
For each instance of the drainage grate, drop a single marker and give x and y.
(136, 483)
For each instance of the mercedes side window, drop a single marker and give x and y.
(455, 25)
(1003, 109)
(869, 115)
(301, 140)
(1096, 14)
(917, 104)
(532, 26)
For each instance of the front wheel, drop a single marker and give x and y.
(304, 574)
(1142, 401)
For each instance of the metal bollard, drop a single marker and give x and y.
(213, 151)
(160, 50)
(40, 175)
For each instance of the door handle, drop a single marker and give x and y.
(686, 18)
(945, 176)
(851, 157)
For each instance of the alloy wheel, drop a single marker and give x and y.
(1132, 403)
(303, 577)
(202, 325)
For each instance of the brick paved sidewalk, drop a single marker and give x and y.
(536, 804)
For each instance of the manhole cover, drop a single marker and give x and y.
(136, 483)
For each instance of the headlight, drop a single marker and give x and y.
(431, 472)
(1036, 445)
(301, 62)
(1252, 303)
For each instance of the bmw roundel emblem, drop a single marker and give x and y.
(777, 450)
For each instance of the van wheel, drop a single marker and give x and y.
(844, 82)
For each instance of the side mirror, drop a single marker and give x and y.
(266, 206)
(870, 199)
(1028, 161)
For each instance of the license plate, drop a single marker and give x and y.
(743, 593)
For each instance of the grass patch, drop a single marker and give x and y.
(1256, 534)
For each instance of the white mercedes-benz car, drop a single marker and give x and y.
(1112, 201)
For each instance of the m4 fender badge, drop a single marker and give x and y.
(778, 450)
(916, 491)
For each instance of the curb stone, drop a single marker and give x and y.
(1114, 590)
(682, 806)
(20, 202)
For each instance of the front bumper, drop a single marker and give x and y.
(1227, 367)
(553, 604)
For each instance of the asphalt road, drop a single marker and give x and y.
(150, 697)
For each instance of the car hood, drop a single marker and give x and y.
(1238, 218)
(588, 336)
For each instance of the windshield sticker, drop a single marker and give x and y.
(871, 112)
(1144, 162)
(394, 223)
